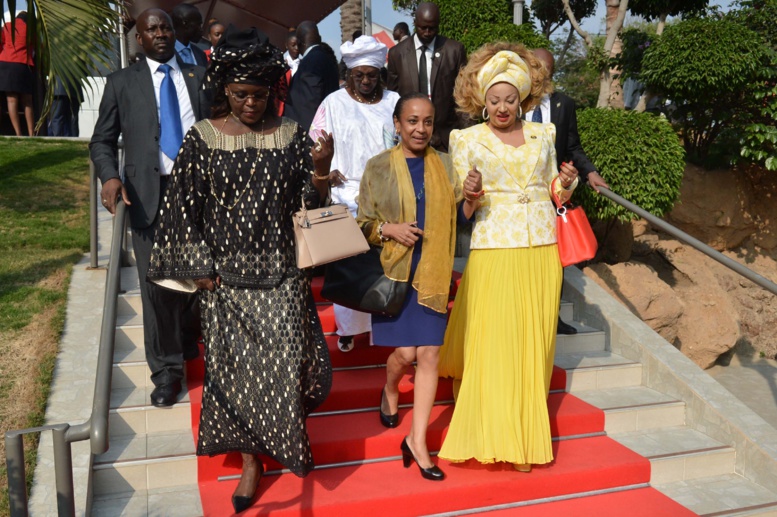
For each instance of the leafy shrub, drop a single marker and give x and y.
(703, 65)
(524, 34)
(637, 154)
(758, 139)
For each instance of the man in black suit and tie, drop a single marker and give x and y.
(187, 23)
(560, 110)
(152, 104)
(429, 63)
(316, 76)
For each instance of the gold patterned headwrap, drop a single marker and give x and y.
(504, 67)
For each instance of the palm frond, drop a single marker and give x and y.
(70, 38)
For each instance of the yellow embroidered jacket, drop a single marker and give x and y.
(516, 211)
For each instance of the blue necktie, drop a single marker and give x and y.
(536, 115)
(169, 116)
(187, 56)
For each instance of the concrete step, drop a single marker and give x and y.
(121, 477)
(635, 408)
(131, 374)
(178, 501)
(566, 311)
(679, 453)
(128, 304)
(598, 370)
(139, 396)
(129, 280)
(147, 446)
(725, 495)
(149, 419)
(586, 340)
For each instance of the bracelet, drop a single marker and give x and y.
(380, 232)
(325, 177)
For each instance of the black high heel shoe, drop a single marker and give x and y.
(433, 473)
(389, 421)
(242, 503)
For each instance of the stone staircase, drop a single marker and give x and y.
(151, 468)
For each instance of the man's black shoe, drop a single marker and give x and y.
(166, 394)
(564, 328)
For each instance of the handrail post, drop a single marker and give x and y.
(92, 216)
(63, 472)
(17, 482)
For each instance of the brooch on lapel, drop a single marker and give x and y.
(191, 74)
(436, 54)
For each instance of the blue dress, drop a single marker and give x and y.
(415, 325)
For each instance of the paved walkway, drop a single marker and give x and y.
(754, 382)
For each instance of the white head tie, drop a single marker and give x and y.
(365, 51)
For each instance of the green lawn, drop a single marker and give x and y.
(44, 230)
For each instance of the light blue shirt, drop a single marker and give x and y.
(185, 51)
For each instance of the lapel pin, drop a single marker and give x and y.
(558, 104)
(191, 74)
(436, 54)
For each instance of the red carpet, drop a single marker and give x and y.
(583, 462)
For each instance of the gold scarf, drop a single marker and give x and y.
(442, 191)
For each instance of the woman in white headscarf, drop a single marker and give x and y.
(501, 337)
(360, 118)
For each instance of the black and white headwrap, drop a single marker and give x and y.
(245, 57)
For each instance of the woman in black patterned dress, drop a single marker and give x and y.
(226, 225)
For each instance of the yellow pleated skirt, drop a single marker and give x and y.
(500, 343)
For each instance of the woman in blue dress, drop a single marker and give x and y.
(408, 205)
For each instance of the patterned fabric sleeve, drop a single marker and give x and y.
(303, 188)
(180, 251)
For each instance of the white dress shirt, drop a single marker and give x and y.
(429, 57)
(184, 103)
(190, 55)
(544, 108)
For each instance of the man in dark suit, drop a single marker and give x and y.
(560, 110)
(187, 23)
(429, 63)
(152, 104)
(315, 78)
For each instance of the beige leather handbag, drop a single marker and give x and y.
(324, 235)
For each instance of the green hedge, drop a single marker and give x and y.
(638, 155)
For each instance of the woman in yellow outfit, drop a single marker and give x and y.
(501, 338)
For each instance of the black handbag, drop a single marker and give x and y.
(359, 283)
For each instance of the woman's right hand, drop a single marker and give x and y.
(472, 188)
(207, 283)
(406, 234)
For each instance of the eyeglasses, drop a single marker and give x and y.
(242, 97)
(359, 77)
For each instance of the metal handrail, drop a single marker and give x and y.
(691, 241)
(95, 429)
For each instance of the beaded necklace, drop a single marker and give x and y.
(359, 98)
(257, 136)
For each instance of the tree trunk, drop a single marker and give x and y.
(350, 19)
(647, 96)
(616, 13)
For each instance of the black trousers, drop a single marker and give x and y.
(171, 319)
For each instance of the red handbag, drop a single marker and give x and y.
(576, 240)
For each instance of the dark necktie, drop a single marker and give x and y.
(187, 56)
(536, 115)
(423, 77)
(171, 130)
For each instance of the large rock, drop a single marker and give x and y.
(715, 207)
(676, 291)
(638, 287)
